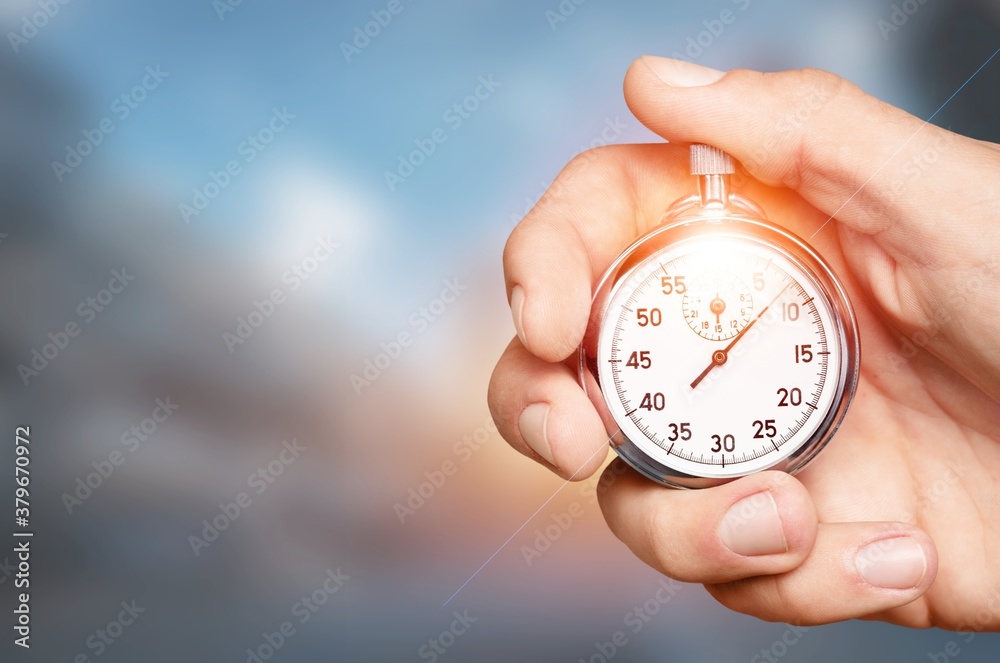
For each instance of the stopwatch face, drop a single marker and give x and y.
(718, 349)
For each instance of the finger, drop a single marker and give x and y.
(854, 570)
(542, 411)
(596, 206)
(761, 524)
(816, 133)
(888, 177)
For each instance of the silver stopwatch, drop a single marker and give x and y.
(719, 344)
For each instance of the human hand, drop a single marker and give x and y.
(896, 519)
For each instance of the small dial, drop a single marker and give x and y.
(717, 305)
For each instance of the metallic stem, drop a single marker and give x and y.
(714, 190)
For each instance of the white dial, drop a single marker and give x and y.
(757, 379)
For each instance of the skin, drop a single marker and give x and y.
(918, 248)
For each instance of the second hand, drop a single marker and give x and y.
(719, 357)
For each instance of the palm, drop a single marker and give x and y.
(919, 445)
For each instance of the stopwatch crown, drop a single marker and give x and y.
(708, 160)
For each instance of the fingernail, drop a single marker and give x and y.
(532, 425)
(752, 526)
(680, 73)
(516, 308)
(896, 563)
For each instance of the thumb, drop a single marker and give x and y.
(847, 153)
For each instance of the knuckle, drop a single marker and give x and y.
(820, 79)
(800, 134)
(744, 78)
(596, 164)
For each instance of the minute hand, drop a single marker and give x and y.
(719, 357)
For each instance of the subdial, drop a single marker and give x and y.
(717, 305)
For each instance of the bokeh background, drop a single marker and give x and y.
(403, 490)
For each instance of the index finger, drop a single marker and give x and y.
(600, 202)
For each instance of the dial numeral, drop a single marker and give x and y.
(673, 284)
(803, 353)
(758, 281)
(723, 443)
(679, 432)
(791, 396)
(653, 401)
(639, 359)
(790, 312)
(765, 428)
(648, 317)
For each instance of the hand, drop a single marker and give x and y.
(899, 518)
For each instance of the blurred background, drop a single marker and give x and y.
(252, 296)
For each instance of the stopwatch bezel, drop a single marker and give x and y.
(723, 225)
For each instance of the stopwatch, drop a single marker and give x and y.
(719, 344)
